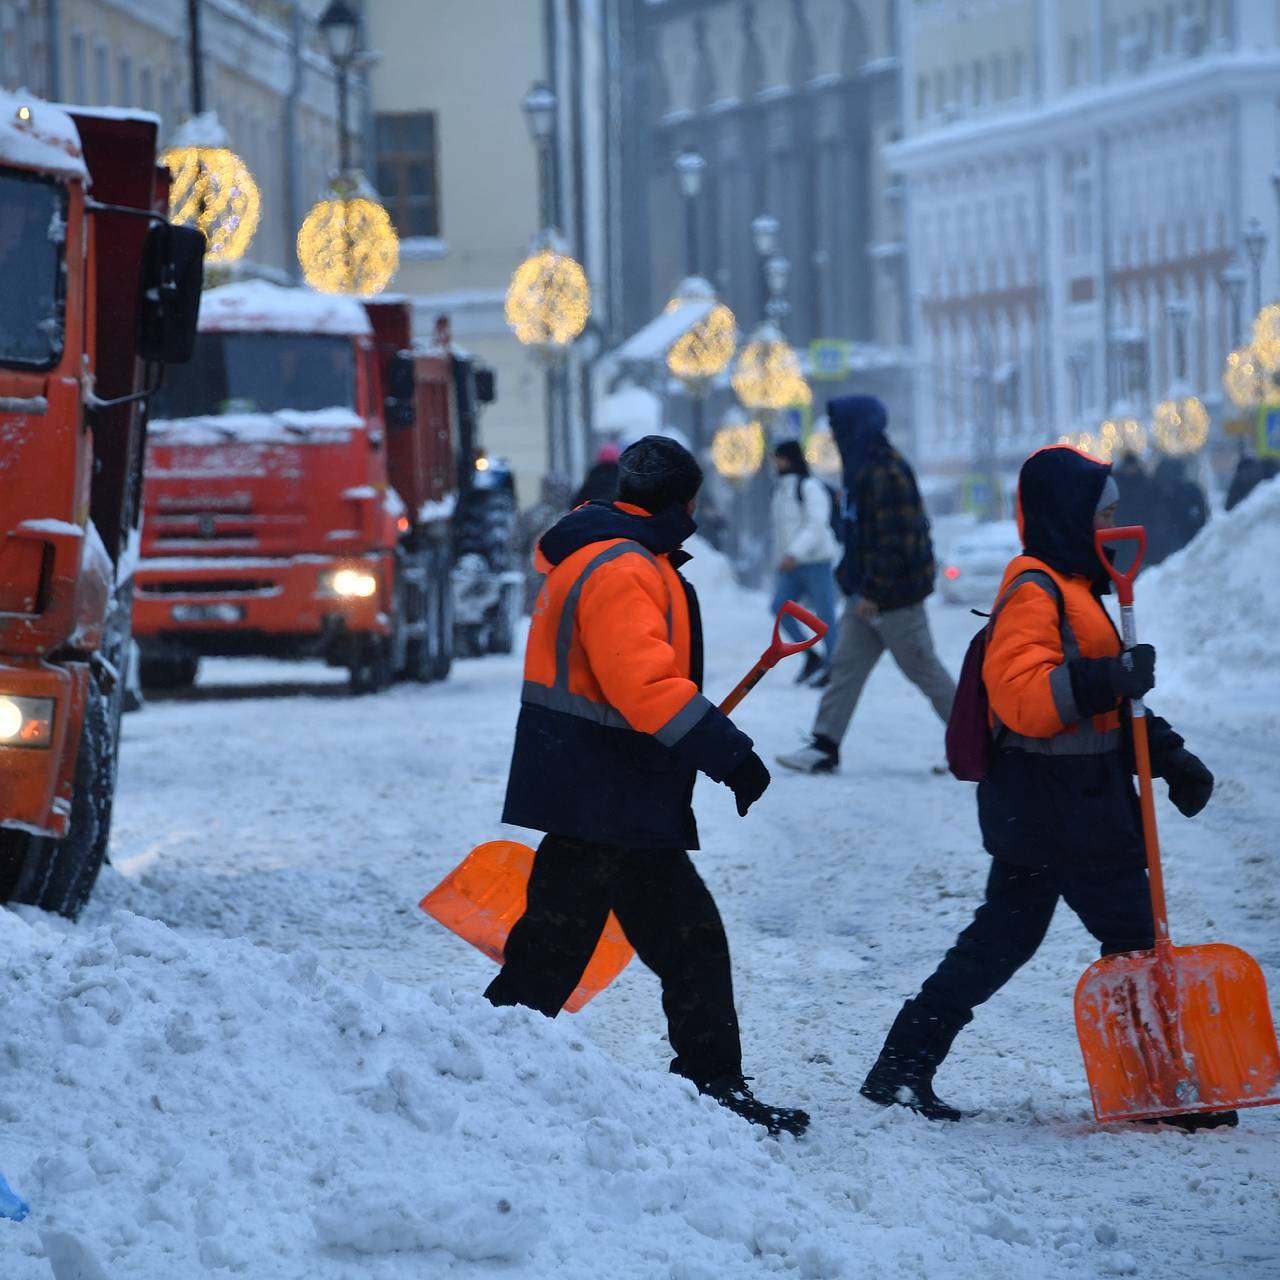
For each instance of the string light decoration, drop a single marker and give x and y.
(1266, 338)
(705, 350)
(767, 375)
(1181, 427)
(549, 299)
(347, 244)
(212, 189)
(1244, 379)
(737, 450)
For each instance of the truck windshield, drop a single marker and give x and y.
(32, 288)
(259, 373)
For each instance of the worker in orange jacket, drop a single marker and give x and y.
(1058, 809)
(613, 730)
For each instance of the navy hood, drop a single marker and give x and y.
(662, 534)
(858, 425)
(1058, 492)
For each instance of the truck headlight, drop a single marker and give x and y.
(350, 584)
(26, 722)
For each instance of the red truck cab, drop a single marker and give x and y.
(288, 509)
(98, 291)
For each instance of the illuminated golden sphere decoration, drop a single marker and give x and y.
(1266, 338)
(1181, 427)
(347, 244)
(705, 350)
(1088, 443)
(1126, 435)
(767, 375)
(821, 453)
(548, 300)
(213, 190)
(737, 450)
(1245, 380)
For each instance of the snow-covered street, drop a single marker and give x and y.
(293, 1074)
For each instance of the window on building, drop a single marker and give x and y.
(922, 97)
(124, 81)
(939, 91)
(407, 171)
(146, 90)
(79, 68)
(167, 103)
(979, 84)
(1019, 73)
(102, 74)
(997, 78)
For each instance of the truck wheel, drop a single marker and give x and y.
(374, 670)
(169, 674)
(59, 875)
(444, 614)
(421, 650)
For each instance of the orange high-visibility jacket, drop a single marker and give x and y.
(613, 724)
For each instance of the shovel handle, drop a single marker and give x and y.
(777, 650)
(1141, 743)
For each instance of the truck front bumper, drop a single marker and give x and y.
(37, 782)
(223, 606)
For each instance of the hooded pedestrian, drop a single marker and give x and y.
(805, 546)
(612, 733)
(1180, 510)
(1058, 809)
(887, 573)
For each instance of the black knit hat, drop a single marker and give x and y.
(791, 452)
(656, 473)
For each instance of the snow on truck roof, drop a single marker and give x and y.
(35, 134)
(256, 306)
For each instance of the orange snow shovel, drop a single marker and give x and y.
(1177, 1030)
(485, 894)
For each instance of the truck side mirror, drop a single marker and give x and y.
(486, 385)
(169, 293)
(400, 391)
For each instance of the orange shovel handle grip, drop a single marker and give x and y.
(777, 650)
(1124, 581)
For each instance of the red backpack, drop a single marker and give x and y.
(970, 744)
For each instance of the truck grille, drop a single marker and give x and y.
(210, 587)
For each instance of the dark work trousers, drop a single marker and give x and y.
(670, 919)
(1113, 903)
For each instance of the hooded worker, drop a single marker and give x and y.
(613, 730)
(1058, 809)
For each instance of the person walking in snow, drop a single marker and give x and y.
(806, 546)
(613, 730)
(1058, 808)
(887, 573)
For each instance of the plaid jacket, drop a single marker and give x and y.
(888, 551)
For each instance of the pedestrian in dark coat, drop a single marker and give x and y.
(1181, 510)
(1058, 808)
(887, 573)
(1249, 473)
(613, 730)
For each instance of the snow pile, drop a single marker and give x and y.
(1213, 609)
(178, 1104)
(256, 306)
(36, 135)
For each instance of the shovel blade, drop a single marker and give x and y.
(484, 895)
(1174, 1033)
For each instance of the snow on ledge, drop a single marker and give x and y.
(256, 306)
(47, 142)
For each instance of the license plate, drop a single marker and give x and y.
(207, 612)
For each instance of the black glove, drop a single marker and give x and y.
(1190, 783)
(1133, 673)
(748, 782)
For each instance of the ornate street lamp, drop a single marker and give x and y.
(1181, 423)
(1255, 243)
(767, 375)
(690, 168)
(347, 242)
(1233, 280)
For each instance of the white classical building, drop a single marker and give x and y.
(1079, 177)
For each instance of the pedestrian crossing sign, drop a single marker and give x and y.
(1269, 431)
(830, 359)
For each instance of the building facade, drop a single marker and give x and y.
(1079, 176)
(791, 104)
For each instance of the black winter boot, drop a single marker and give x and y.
(913, 1050)
(731, 1092)
(810, 667)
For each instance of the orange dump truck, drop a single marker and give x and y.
(97, 293)
(302, 474)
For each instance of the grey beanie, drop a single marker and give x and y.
(1110, 494)
(656, 473)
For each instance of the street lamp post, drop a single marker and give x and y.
(690, 168)
(340, 27)
(1233, 282)
(1255, 243)
(1275, 183)
(764, 235)
(1179, 317)
(539, 106)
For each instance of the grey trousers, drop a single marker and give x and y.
(905, 633)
